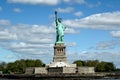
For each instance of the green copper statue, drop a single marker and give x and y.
(60, 28)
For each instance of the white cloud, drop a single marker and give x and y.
(4, 22)
(80, 1)
(106, 45)
(65, 10)
(5, 35)
(39, 40)
(18, 10)
(42, 29)
(0, 8)
(10, 56)
(24, 38)
(71, 44)
(71, 31)
(78, 14)
(23, 45)
(75, 1)
(45, 2)
(115, 34)
(35, 2)
(103, 21)
(66, 0)
(51, 16)
(93, 5)
(53, 2)
(30, 48)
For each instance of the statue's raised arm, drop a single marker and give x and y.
(56, 19)
(60, 28)
(55, 14)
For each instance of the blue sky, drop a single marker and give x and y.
(27, 29)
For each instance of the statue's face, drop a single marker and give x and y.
(59, 19)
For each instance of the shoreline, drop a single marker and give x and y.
(58, 76)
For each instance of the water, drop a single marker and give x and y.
(83, 79)
(104, 79)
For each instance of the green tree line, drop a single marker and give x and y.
(19, 66)
(99, 66)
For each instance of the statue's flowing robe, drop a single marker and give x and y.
(60, 28)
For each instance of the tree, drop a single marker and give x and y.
(19, 66)
(78, 63)
(92, 63)
(22, 66)
(99, 66)
(110, 67)
(105, 67)
(3, 65)
(12, 67)
(38, 63)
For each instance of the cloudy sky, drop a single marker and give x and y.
(27, 29)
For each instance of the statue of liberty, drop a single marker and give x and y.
(60, 28)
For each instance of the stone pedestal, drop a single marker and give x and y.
(59, 53)
(59, 59)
